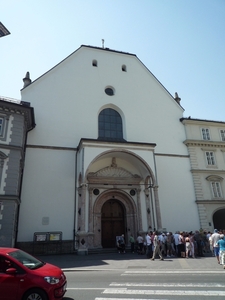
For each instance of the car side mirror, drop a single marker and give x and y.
(11, 271)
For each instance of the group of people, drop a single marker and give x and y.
(178, 244)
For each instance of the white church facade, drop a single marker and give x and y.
(108, 155)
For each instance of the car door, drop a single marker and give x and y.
(9, 283)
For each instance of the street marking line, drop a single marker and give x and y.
(174, 272)
(68, 288)
(87, 269)
(126, 299)
(199, 285)
(164, 292)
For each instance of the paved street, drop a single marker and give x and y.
(130, 276)
(109, 261)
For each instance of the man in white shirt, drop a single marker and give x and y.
(140, 242)
(156, 243)
(215, 238)
(162, 239)
(149, 245)
(176, 240)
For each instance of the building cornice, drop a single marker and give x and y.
(22, 108)
(11, 147)
(10, 198)
(201, 143)
(211, 171)
(218, 201)
(115, 144)
(51, 147)
(171, 155)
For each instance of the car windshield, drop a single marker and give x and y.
(26, 259)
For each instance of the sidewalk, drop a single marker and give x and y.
(115, 261)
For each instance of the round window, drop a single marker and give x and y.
(132, 192)
(96, 192)
(109, 91)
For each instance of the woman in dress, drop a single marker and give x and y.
(187, 246)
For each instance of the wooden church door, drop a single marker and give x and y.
(113, 222)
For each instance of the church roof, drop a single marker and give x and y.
(3, 30)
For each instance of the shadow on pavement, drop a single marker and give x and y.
(77, 261)
(65, 261)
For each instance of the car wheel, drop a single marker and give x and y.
(35, 294)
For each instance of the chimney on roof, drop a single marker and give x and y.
(26, 80)
(103, 41)
(177, 98)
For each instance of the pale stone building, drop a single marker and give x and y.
(205, 141)
(107, 155)
(16, 119)
(111, 153)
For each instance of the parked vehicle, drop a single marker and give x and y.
(24, 277)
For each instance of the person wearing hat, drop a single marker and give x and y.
(215, 238)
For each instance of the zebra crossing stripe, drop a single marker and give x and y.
(177, 285)
(172, 272)
(126, 299)
(164, 292)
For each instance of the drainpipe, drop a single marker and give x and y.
(75, 202)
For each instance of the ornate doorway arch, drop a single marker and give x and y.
(123, 176)
(126, 218)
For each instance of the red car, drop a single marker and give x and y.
(24, 277)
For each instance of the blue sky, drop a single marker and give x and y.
(182, 42)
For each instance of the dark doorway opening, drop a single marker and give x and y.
(219, 219)
(113, 222)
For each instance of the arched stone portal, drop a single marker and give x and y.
(219, 219)
(124, 178)
(124, 217)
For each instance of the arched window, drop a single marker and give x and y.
(110, 127)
